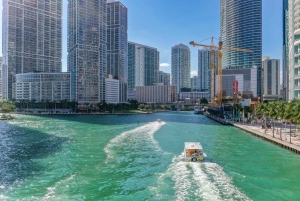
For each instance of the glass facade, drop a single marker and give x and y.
(241, 27)
(204, 69)
(164, 78)
(42, 86)
(117, 46)
(143, 65)
(32, 39)
(87, 45)
(181, 66)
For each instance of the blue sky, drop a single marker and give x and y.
(164, 23)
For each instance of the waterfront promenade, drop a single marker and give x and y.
(292, 144)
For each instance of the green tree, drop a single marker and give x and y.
(203, 101)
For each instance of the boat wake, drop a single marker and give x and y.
(193, 181)
(138, 140)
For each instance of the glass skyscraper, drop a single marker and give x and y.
(143, 65)
(87, 45)
(204, 69)
(241, 27)
(32, 39)
(181, 67)
(117, 40)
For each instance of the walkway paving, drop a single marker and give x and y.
(285, 135)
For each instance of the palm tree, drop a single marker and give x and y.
(264, 110)
(273, 109)
(281, 110)
(289, 113)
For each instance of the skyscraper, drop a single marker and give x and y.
(117, 45)
(285, 49)
(32, 39)
(117, 42)
(87, 45)
(143, 65)
(271, 79)
(241, 27)
(181, 67)
(0, 78)
(293, 65)
(194, 83)
(204, 69)
(164, 78)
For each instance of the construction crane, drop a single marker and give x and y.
(212, 48)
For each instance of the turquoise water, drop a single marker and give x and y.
(114, 158)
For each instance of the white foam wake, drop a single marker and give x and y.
(138, 139)
(192, 181)
(51, 190)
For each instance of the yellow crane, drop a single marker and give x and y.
(212, 48)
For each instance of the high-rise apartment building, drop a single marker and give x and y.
(285, 49)
(181, 67)
(143, 65)
(271, 79)
(204, 69)
(163, 78)
(0, 78)
(117, 45)
(117, 40)
(241, 27)
(194, 83)
(87, 45)
(293, 65)
(32, 39)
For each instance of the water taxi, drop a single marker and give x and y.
(158, 120)
(193, 151)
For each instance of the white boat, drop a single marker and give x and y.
(197, 110)
(193, 151)
(158, 120)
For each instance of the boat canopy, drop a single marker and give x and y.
(192, 145)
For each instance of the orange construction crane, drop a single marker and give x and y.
(212, 48)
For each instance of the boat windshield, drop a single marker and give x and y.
(193, 152)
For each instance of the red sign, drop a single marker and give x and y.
(235, 86)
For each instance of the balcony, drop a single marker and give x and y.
(297, 87)
(297, 41)
(296, 7)
(297, 65)
(295, 2)
(297, 18)
(297, 30)
(296, 76)
(297, 54)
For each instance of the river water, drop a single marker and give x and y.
(115, 158)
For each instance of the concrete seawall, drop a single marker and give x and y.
(292, 147)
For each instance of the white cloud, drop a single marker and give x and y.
(194, 73)
(164, 65)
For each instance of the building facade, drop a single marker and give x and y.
(87, 45)
(285, 49)
(194, 96)
(112, 88)
(143, 65)
(42, 86)
(32, 39)
(164, 78)
(195, 83)
(241, 27)
(117, 40)
(271, 79)
(246, 82)
(156, 94)
(0, 78)
(293, 65)
(181, 67)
